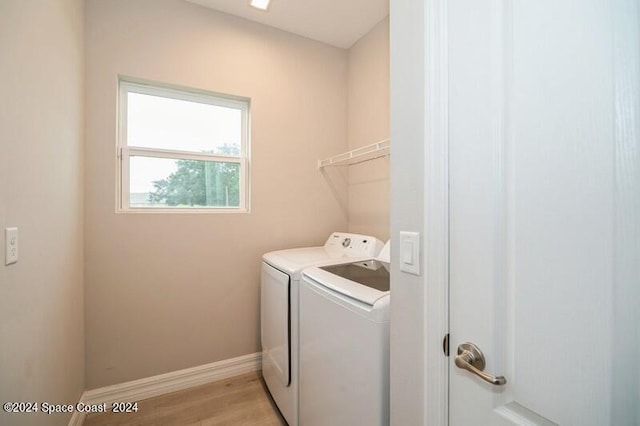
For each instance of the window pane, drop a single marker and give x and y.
(163, 182)
(165, 123)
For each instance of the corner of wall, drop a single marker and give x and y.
(368, 122)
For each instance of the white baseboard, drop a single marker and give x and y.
(150, 387)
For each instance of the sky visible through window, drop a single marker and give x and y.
(164, 123)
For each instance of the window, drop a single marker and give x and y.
(182, 150)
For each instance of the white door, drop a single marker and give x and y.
(545, 210)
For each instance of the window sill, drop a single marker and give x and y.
(153, 210)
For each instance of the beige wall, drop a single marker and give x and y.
(368, 122)
(41, 138)
(171, 291)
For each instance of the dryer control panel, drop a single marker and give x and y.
(354, 245)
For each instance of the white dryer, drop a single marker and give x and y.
(279, 292)
(344, 344)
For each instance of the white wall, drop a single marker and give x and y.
(171, 291)
(41, 139)
(408, 135)
(369, 203)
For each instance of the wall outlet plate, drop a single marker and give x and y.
(11, 245)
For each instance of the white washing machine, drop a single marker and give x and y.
(344, 344)
(279, 290)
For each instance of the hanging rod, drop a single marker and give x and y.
(358, 155)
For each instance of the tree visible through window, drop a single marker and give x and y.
(200, 183)
(182, 149)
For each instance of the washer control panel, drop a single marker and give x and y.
(354, 245)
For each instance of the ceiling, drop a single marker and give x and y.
(339, 23)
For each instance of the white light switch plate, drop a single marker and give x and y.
(11, 245)
(410, 252)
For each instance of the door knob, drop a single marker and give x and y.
(471, 358)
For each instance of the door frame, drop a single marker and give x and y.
(420, 202)
(436, 212)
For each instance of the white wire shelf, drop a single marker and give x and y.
(358, 155)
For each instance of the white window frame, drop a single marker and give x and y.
(124, 151)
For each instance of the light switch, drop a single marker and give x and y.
(407, 252)
(410, 252)
(11, 245)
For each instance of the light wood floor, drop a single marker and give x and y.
(241, 400)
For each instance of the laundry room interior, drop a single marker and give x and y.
(152, 291)
(304, 212)
(157, 284)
